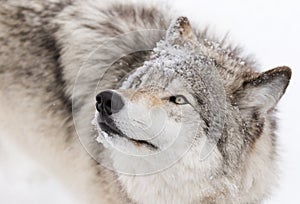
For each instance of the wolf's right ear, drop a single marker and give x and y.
(264, 91)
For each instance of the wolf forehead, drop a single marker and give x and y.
(164, 67)
(171, 61)
(185, 56)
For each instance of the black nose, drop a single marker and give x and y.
(109, 102)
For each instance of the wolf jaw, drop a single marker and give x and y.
(110, 129)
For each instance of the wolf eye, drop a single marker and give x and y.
(179, 100)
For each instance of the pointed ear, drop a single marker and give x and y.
(264, 91)
(180, 31)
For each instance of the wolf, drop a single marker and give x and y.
(132, 103)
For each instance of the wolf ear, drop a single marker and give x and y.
(264, 91)
(180, 31)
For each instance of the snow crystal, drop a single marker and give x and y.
(102, 135)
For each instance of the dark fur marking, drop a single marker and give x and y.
(111, 27)
(206, 128)
(268, 76)
(222, 147)
(258, 124)
(58, 87)
(254, 129)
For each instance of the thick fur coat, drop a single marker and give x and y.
(50, 63)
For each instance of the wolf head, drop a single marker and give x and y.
(182, 100)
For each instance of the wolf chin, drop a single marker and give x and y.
(180, 116)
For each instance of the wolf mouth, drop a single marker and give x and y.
(112, 129)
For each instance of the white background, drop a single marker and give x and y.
(268, 29)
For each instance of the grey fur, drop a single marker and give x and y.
(43, 46)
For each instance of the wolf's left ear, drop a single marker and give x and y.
(180, 32)
(264, 91)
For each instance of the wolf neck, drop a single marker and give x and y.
(181, 183)
(158, 188)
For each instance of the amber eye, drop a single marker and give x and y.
(179, 100)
